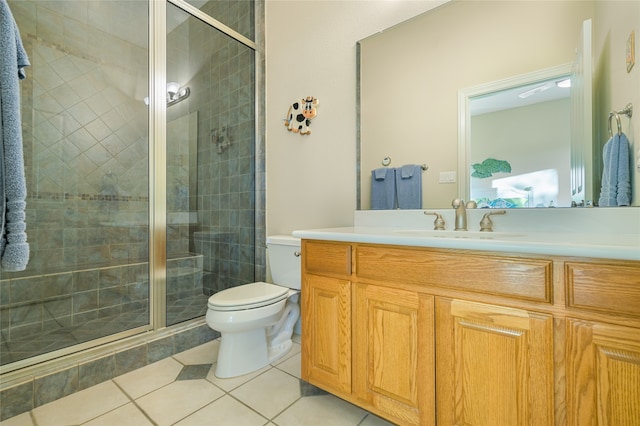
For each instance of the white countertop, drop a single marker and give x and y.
(611, 246)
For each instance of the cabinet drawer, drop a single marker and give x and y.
(523, 278)
(326, 257)
(604, 287)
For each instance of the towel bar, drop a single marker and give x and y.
(387, 161)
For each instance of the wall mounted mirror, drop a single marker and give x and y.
(411, 77)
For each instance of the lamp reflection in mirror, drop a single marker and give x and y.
(175, 93)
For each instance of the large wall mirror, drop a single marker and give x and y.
(420, 80)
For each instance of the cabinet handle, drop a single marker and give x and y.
(297, 253)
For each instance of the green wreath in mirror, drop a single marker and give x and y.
(490, 166)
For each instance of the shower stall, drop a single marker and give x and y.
(141, 157)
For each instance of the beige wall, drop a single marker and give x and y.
(311, 50)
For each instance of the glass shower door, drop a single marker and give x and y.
(210, 161)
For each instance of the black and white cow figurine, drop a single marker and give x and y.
(300, 114)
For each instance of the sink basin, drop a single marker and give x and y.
(426, 233)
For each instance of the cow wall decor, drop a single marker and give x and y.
(300, 114)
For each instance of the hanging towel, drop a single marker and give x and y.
(14, 249)
(616, 177)
(383, 189)
(409, 186)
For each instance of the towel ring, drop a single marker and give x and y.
(611, 115)
(628, 111)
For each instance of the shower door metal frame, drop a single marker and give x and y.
(157, 163)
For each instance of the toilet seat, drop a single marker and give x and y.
(247, 296)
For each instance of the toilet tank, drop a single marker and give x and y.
(284, 260)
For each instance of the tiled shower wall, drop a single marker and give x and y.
(36, 309)
(86, 144)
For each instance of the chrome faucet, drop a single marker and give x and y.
(461, 214)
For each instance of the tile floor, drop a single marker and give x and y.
(182, 390)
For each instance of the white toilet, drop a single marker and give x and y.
(256, 320)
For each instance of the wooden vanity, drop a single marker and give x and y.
(425, 336)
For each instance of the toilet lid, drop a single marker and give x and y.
(248, 296)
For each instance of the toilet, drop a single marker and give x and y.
(256, 320)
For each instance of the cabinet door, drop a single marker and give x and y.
(603, 374)
(326, 331)
(494, 365)
(393, 353)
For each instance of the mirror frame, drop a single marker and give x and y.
(464, 114)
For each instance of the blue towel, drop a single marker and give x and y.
(407, 170)
(383, 189)
(14, 249)
(409, 186)
(616, 178)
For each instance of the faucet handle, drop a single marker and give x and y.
(438, 224)
(486, 225)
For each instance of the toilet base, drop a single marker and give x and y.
(244, 349)
(256, 355)
(252, 344)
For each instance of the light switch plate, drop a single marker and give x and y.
(448, 177)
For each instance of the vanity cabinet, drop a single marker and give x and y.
(393, 354)
(326, 317)
(603, 374)
(603, 359)
(495, 365)
(424, 336)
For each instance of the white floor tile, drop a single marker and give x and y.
(127, 415)
(325, 410)
(292, 366)
(149, 378)
(225, 411)
(203, 354)
(373, 420)
(269, 393)
(81, 406)
(23, 419)
(178, 400)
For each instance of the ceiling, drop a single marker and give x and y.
(543, 91)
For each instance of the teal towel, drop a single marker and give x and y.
(14, 249)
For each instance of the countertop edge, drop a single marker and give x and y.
(386, 236)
